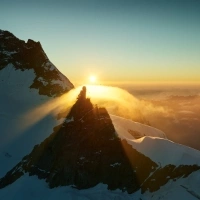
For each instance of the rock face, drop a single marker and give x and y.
(84, 151)
(26, 56)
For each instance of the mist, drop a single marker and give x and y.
(118, 102)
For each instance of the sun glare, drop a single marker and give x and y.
(92, 79)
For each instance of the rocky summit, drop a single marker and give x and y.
(30, 55)
(84, 151)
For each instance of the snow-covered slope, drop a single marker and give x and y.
(183, 189)
(129, 129)
(154, 144)
(29, 187)
(32, 188)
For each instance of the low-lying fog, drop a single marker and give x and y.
(182, 103)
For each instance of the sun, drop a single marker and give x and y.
(92, 79)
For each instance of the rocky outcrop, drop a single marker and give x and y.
(25, 56)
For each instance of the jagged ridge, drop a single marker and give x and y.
(25, 56)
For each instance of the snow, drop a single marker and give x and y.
(62, 81)
(49, 66)
(183, 188)
(69, 120)
(9, 52)
(125, 126)
(115, 164)
(155, 145)
(8, 37)
(17, 133)
(45, 83)
(29, 187)
(58, 82)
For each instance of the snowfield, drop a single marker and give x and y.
(17, 138)
(32, 188)
(128, 128)
(183, 189)
(154, 144)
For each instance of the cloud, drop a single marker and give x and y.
(116, 100)
(186, 112)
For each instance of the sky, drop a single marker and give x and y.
(119, 41)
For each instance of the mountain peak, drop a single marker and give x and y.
(82, 106)
(84, 151)
(23, 56)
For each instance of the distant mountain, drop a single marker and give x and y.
(18, 55)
